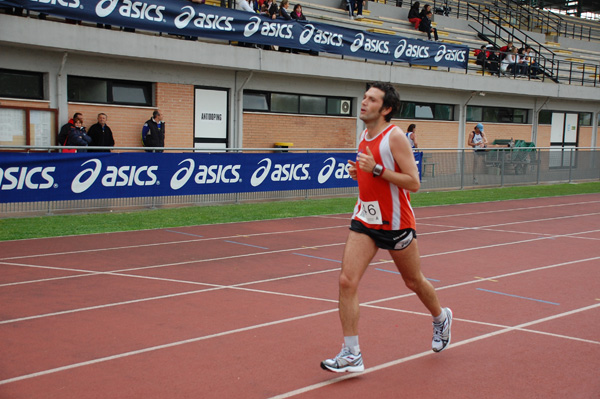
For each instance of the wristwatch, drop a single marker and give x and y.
(378, 170)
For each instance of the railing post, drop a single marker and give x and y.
(462, 169)
(570, 164)
(502, 170)
(539, 164)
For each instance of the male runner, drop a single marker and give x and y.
(383, 218)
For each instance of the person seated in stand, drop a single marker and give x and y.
(481, 55)
(494, 62)
(78, 136)
(504, 50)
(511, 63)
(355, 5)
(424, 11)
(413, 14)
(283, 14)
(532, 66)
(244, 5)
(297, 13)
(425, 26)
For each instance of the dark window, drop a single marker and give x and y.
(585, 119)
(313, 105)
(497, 115)
(256, 102)
(410, 110)
(284, 103)
(109, 91)
(18, 84)
(297, 104)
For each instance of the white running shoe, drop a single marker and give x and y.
(344, 361)
(441, 332)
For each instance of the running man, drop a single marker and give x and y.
(386, 171)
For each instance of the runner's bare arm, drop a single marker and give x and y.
(408, 177)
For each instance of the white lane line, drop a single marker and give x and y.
(393, 363)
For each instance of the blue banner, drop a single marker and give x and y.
(56, 177)
(180, 17)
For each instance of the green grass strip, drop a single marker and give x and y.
(66, 225)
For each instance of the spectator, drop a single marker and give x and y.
(494, 62)
(244, 6)
(533, 68)
(358, 5)
(101, 134)
(507, 48)
(511, 63)
(269, 9)
(411, 136)
(297, 13)
(283, 14)
(153, 132)
(482, 58)
(424, 11)
(425, 26)
(77, 136)
(478, 141)
(63, 134)
(413, 15)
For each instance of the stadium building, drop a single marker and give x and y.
(254, 97)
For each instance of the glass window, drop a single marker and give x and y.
(313, 105)
(520, 116)
(585, 119)
(17, 84)
(87, 90)
(284, 103)
(423, 111)
(256, 101)
(545, 117)
(108, 91)
(407, 111)
(339, 106)
(490, 115)
(131, 94)
(474, 114)
(444, 112)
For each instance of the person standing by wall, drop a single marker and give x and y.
(478, 141)
(101, 134)
(153, 132)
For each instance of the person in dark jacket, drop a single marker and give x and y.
(425, 26)
(413, 14)
(101, 134)
(153, 132)
(78, 136)
(297, 13)
(66, 128)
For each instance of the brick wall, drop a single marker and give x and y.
(432, 134)
(25, 104)
(263, 130)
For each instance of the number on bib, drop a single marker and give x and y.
(370, 212)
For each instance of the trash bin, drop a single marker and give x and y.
(283, 145)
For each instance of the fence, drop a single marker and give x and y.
(442, 169)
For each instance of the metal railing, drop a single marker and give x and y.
(442, 169)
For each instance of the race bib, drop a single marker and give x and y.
(370, 212)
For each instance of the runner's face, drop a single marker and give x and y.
(371, 105)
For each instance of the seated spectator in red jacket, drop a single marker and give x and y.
(413, 14)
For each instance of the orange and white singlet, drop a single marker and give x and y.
(381, 205)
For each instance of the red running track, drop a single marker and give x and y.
(250, 309)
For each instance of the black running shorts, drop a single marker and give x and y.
(386, 239)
